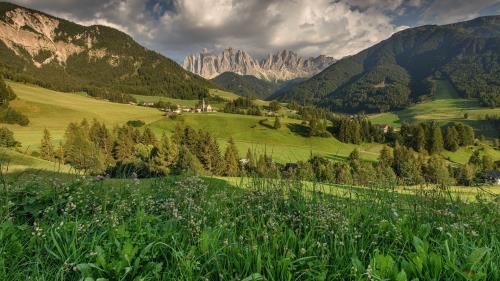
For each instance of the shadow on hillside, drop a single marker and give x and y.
(299, 129)
(263, 123)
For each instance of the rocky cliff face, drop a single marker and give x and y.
(284, 65)
(37, 37)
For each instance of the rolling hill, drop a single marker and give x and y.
(61, 55)
(55, 110)
(397, 72)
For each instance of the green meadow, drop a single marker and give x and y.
(55, 110)
(446, 107)
(14, 161)
(60, 227)
(255, 132)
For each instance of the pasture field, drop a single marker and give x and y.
(190, 103)
(12, 161)
(447, 107)
(56, 227)
(284, 145)
(55, 110)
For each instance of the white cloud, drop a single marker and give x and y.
(310, 27)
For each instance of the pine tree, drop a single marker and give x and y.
(277, 123)
(406, 165)
(123, 150)
(187, 163)
(356, 132)
(468, 135)
(451, 140)
(487, 162)
(419, 139)
(436, 141)
(6, 94)
(7, 138)
(102, 137)
(385, 158)
(475, 159)
(436, 171)
(250, 160)
(231, 159)
(148, 137)
(164, 156)
(46, 147)
(80, 152)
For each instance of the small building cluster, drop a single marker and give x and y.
(203, 107)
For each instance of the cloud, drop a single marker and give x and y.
(449, 11)
(332, 27)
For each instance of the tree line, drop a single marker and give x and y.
(243, 105)
(126, 151)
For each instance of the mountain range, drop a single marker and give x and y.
(281, 66)
(61, 55)
(402, 69)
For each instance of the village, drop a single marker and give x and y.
(171, 109)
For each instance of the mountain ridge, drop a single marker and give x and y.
(280, 66)
(55, 53)
(399, 71)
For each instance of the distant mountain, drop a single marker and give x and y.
(246, 85)
(251, 86)
(401, 69)
(284, 65)
(58, 54)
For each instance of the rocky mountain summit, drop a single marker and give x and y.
(283, 65)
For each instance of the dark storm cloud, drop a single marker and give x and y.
(333, 27)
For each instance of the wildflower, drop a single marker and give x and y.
(100, 178)
(302, 251)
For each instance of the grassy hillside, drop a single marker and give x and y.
(446, 107)
(251, 132)
(395, 73)
(13, 161)
(54, 110)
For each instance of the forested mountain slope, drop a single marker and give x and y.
(61, 55)
(400, 70)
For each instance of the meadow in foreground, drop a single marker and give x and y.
(74, 228)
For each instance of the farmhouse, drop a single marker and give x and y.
(492, 177)
(384, 128)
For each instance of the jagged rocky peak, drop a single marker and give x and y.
(283, 65)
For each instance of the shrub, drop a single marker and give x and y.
(12, 116)
(7, 138)
(136, 123)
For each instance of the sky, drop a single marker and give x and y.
(335, 28)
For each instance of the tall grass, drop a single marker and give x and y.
(78, 228)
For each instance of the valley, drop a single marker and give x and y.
(378, 161)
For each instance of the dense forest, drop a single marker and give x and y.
(397, 72)
(122, 67)
(246, 85)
